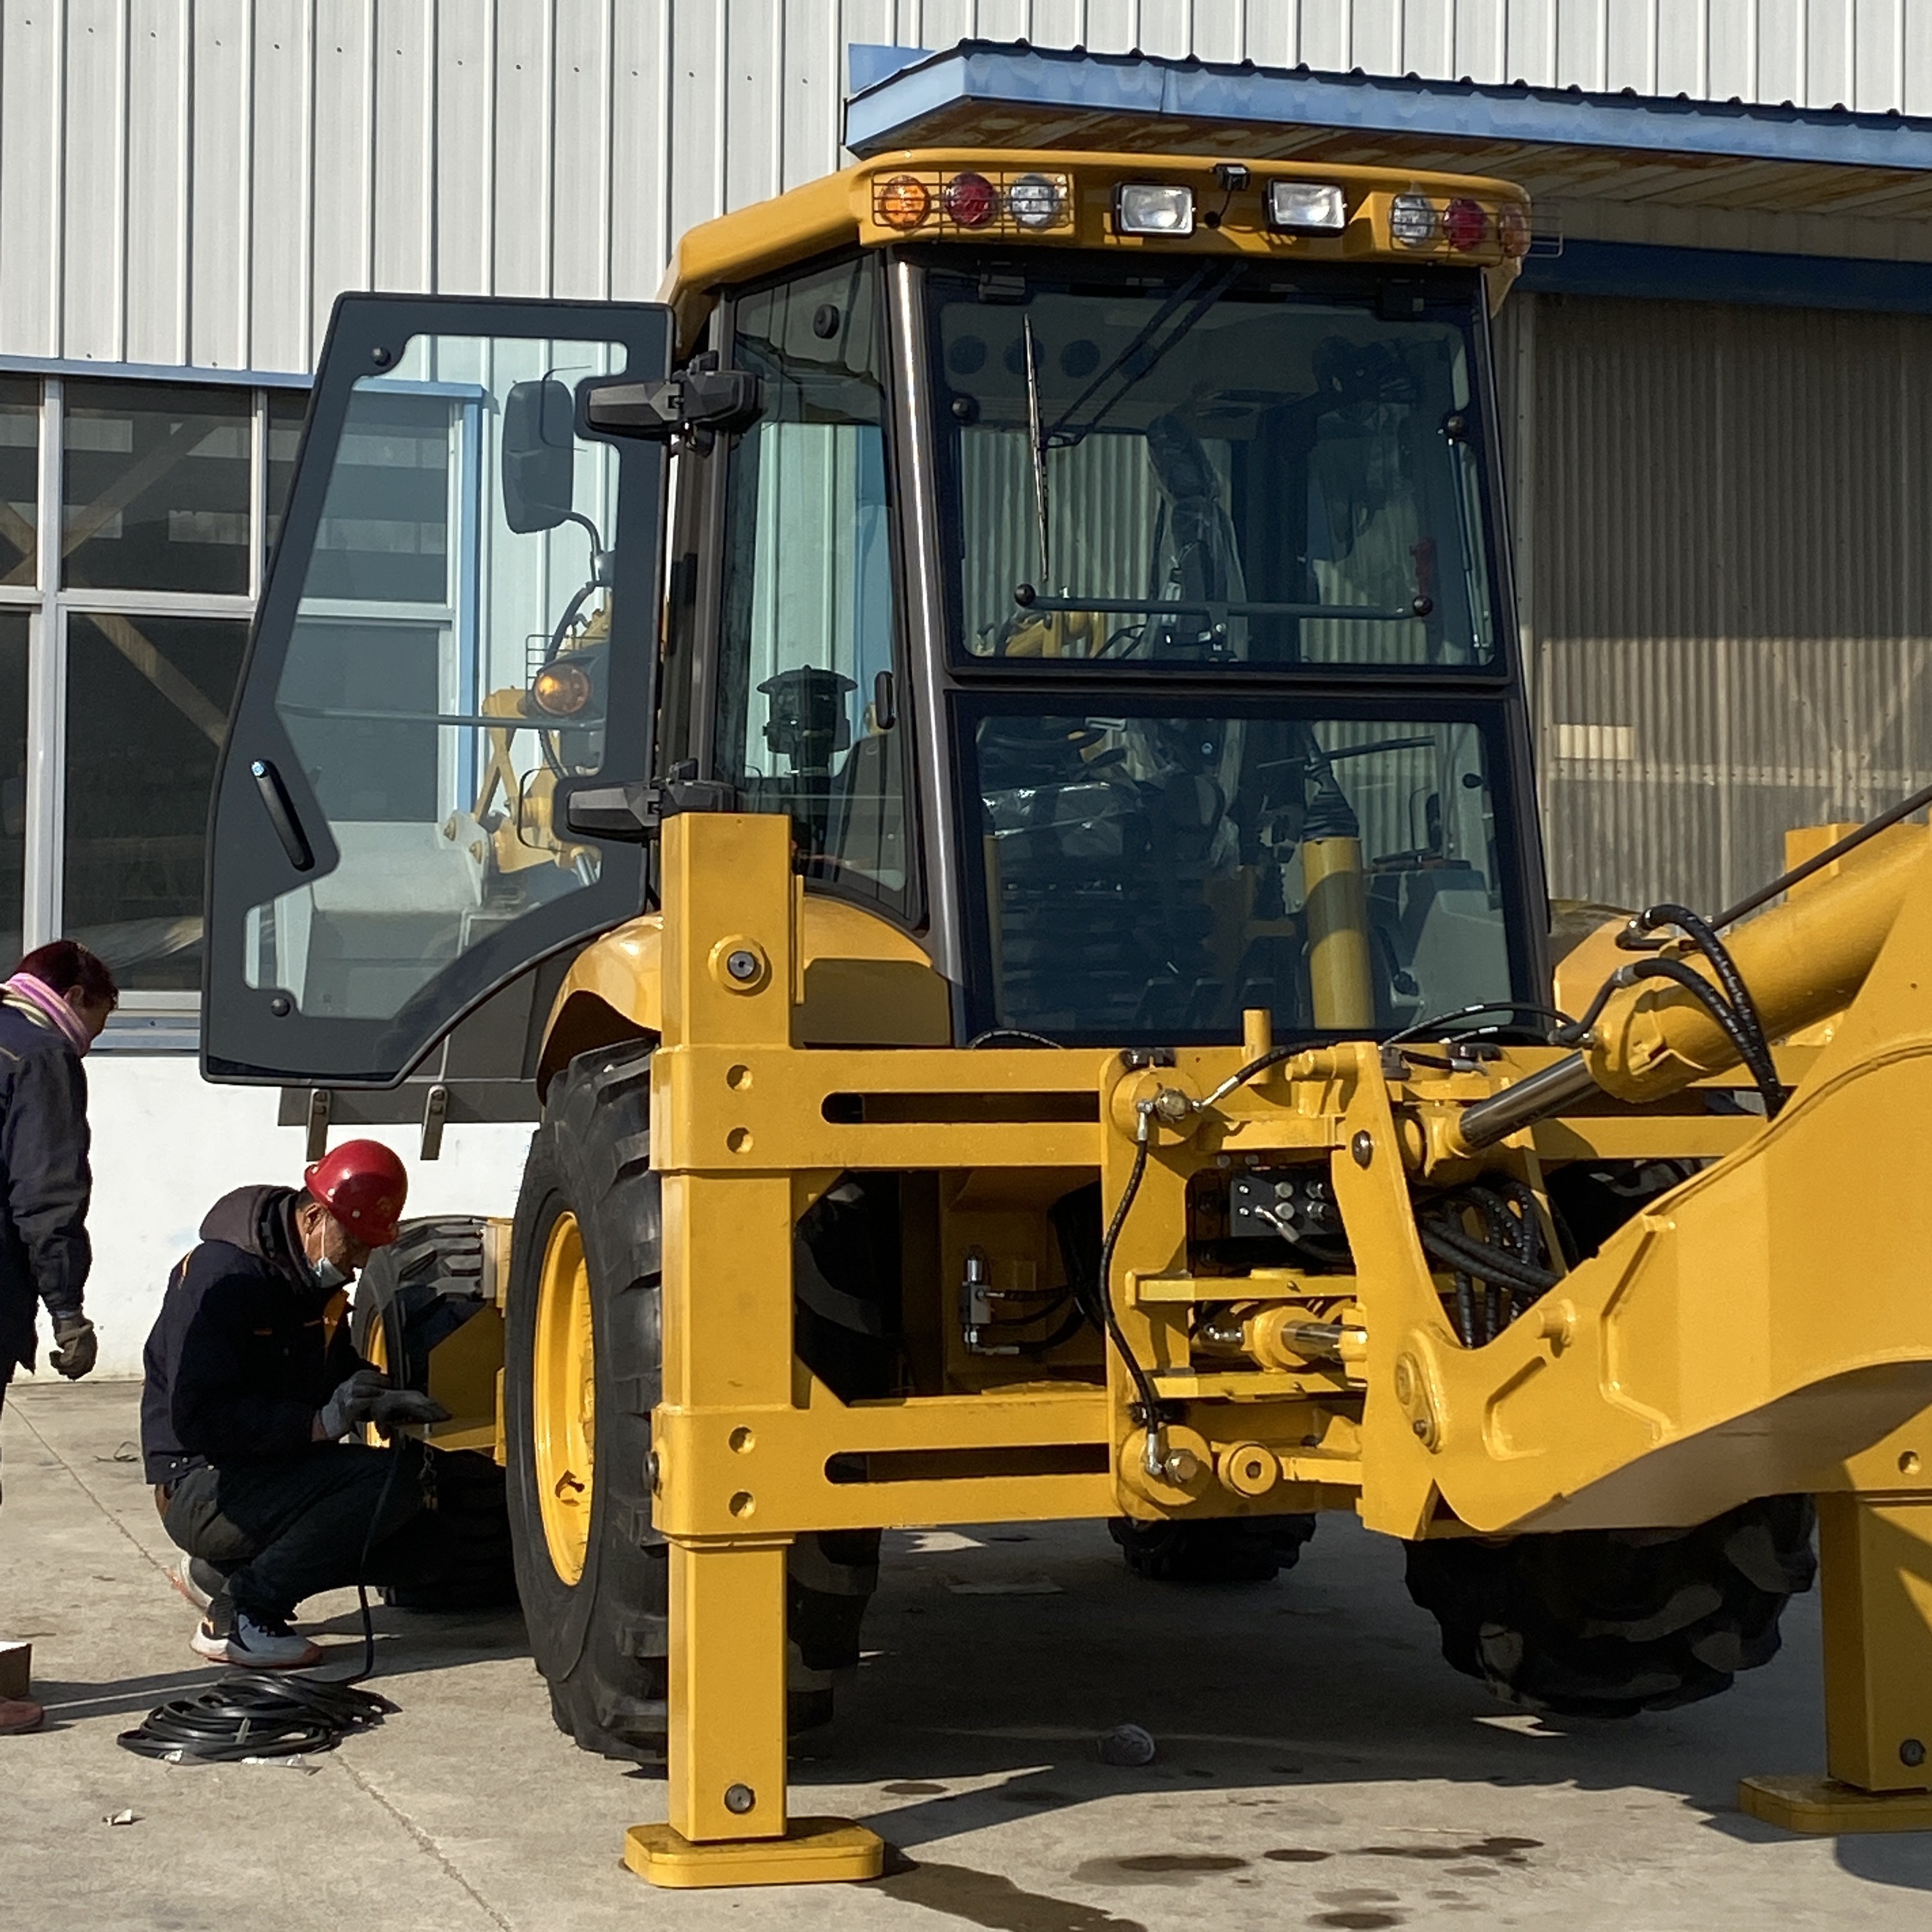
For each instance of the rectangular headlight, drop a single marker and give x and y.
(1151, 208)
(1306, 207)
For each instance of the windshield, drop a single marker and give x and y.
(1147, 873)
(1205, 463)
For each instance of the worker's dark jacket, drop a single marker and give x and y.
(44, 1254)
(247, 1345)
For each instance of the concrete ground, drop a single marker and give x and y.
(1318, 1764)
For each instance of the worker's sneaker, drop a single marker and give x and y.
(230, 1636)
(19, 1713)
(199, 1582)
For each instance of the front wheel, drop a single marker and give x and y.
(1606, 1623)
(1223, 1549)
(583, 1371)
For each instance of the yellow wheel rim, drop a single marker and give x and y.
(563, 1409)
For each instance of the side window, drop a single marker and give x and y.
(804, 720)
(459, 622)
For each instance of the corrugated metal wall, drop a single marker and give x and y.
(192, 180)
(1730, 598)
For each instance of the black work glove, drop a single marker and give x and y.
(75, 1349)
(352, 1404)
(398, 1408)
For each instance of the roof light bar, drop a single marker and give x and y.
(1153, 208)
(1306, 207)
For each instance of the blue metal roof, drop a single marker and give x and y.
(902, 97)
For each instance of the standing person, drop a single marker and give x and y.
(51, 1011)
(252, 1380)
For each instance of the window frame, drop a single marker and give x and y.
(167, 1020)
(1452, 296)
(711, 482)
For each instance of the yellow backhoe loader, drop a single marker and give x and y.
(975, 756)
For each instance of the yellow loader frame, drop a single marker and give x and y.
(1732, 1341)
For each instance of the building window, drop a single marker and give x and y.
(136, 518)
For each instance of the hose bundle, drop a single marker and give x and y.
(1510, 1258)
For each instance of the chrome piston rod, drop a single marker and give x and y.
(1554, 1089)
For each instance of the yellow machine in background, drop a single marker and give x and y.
(1062, 1022)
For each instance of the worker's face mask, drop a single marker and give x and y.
(328, 1273)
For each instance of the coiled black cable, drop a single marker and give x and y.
(255, 1713)
(261, 1713)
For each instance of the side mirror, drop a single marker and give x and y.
(539, 455)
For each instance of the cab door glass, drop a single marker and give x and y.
(461, 639)
(806, 709)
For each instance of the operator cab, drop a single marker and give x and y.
(1121, 612)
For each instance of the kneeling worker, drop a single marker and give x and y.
(252, 1380)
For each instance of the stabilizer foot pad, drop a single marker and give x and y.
(814, 1851)
(1822, 1804)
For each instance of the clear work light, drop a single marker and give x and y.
(1153, 208)
(1306, 207)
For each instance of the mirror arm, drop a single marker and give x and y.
(633, 813)
(701, 401)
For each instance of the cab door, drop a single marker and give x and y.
(461, 616)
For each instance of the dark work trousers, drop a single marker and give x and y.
(287, 1527)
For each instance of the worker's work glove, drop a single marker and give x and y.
(352, 1405)
(75, 1349)
(401, 1408)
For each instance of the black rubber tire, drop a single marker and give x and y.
(1606, 1623)
(601, 1641)
(420, 1288)
(1223, 1549)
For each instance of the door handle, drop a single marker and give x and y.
(281, 811)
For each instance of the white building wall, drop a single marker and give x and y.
(167, 1146)
(192, 181)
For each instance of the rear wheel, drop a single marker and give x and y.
(1605, 1623)
(584, 1370)
(1223, 1549)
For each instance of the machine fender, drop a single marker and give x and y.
(866, 983)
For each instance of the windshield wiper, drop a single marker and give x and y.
(1038, 442)
(1217, 610)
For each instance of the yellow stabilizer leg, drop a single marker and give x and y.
(727, 1781)
(812, 1850)
(1876, 1557)
(729, 896)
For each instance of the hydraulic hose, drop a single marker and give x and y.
(1142, 1380)
(1749, 1045)
(1737, 994)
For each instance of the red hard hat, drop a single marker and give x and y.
(363, 1184)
